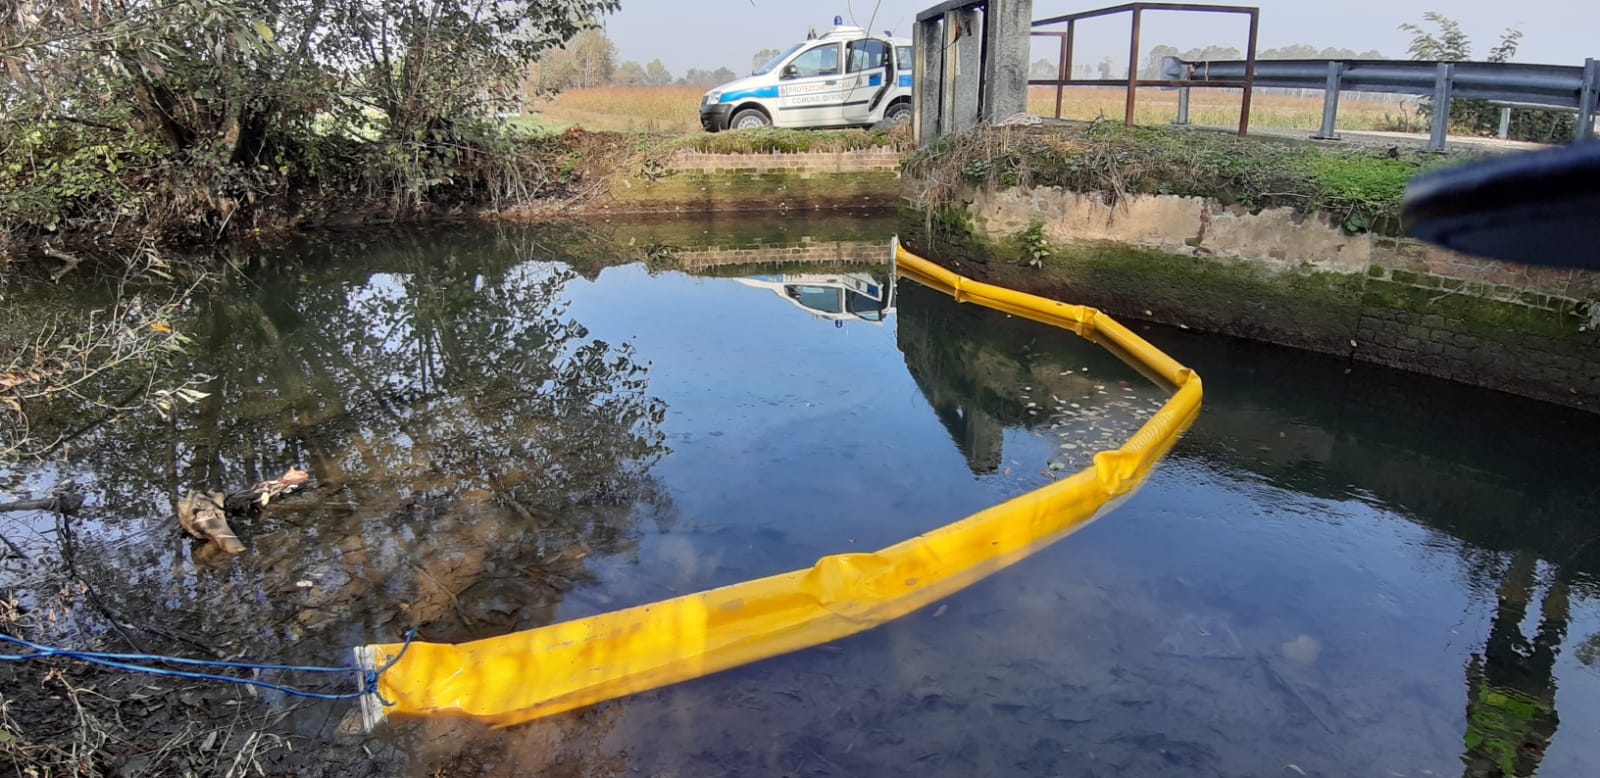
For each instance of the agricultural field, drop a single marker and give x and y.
(675, 109)
(1220, 108)
(653, 109)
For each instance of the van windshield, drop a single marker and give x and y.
(772, 63)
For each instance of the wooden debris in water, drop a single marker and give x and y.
(201, 516)
(255, 498)
(284, 484)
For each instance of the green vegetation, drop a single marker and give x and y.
(1447, 42)
(188, 121)
(773, 140)
(1363, 189)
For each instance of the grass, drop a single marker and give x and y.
(1361, 188)
(633, 109)
(770, 140)
(676, 109)
(1219, 108)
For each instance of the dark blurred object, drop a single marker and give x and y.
(1536, 208)
(63, 498)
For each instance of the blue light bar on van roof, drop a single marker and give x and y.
(838, 21)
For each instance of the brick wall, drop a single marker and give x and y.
(1281, 277)
(882, 160)
(1520, 329)
(841, 252)
(710, 183)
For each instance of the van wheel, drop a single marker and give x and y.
(749, 119)
(898, 114)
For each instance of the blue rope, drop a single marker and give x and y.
(369, 678)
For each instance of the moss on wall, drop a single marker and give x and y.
(1485, 334)
(750, 189)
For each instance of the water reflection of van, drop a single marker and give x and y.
(833, 296)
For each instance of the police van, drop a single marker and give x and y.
(846, 78)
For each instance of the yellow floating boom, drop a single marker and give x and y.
(523, 676)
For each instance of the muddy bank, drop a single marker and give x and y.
(175, 217)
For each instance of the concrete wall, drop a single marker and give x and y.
(808, 251)
(807, 164)
(1295, 279)
(699, 182)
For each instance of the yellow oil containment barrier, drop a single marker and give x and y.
(523, 676)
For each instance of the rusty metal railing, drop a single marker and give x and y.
(1133, 82)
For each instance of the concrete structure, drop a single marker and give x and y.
(971, 65)
(690, 181)
(1294, 279)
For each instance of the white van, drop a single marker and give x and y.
(846, 78)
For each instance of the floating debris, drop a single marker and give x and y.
(201, 515)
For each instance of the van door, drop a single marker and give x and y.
(812, 88)
(869, 70)
(903, 67)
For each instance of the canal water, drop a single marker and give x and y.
(1340, 570)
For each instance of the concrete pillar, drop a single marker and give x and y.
(1006, 26)
(963, 72)
(1443, 83)
(927, 78)
(1587, 99)
(1330, 103)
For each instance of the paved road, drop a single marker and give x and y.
(1454, 144)
(1471, 144)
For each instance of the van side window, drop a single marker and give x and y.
(820, 61)
(867, 55)
(902, 59)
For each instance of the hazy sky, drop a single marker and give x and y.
(714, 33)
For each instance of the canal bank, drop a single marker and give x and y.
(1286, 244)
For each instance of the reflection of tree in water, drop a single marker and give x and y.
(1511, 687)
(471, 445)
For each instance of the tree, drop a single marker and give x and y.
(629, 73)
(762, 57)
(426, 63)
(1507, 47)
(1042, 69)
(203, 72)
(1292, 51)
(1450, 43)
(594, 58)
(196, 75)
(702, 77)
(1210, 53)
(1480, 117)
(655, 74)
(588, 60)
(188, 120)
(222, 77)
(1152, 66)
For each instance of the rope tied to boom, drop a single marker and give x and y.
(136, 663)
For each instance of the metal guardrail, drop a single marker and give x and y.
(1560, 87)
(971, 68)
